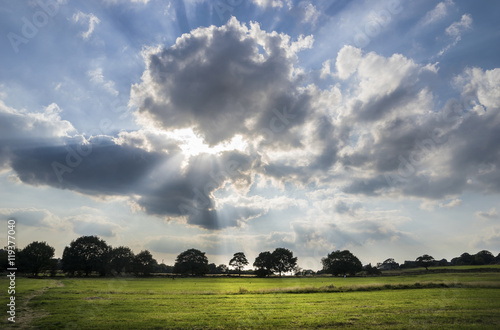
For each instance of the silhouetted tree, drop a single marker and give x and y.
(483, 257)
(144, 263)
(390, 264)
(35, 257)
(238, 261)
(121, 259)
(192, 262)
(341, 262)
(425, 261)
(283, 260)
(222, 269)
(466, 259)
(370, 270)
(162, 268)
(86, 254)
(264, 264)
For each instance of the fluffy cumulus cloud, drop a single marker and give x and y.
(221, 82)
(399, 142)
(38, 128)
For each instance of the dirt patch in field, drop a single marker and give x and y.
(27, 314)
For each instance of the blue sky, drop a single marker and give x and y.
(246, 125)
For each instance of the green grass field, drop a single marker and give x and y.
(458, 300)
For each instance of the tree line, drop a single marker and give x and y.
(89, 255)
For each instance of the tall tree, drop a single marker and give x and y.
(466, 259)
(390, 263)
(86, 254)
(35, 257)
(192, 262)
(283, 260)
(425, 261)
(483, 257)
(341, 262)
(238, 261)
(264, 264)
(222, 269)
(121, 259)
(144, 263)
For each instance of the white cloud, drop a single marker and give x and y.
(32, 217)
(481, 85)
(97, 77)
(21, 124)
(489, 215)
(456, 30)
(92, 21)
(309, 13)
(439, 12)
(348, 60)
(90, 224)
(451, 204)
(273, 3)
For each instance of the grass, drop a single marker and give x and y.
(462, 300)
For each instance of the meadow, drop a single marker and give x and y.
(434, 300)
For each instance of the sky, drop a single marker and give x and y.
(247, 125)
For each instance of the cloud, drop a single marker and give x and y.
(307, 13)
(126, 1)
(221, 82)
(397, 142)
(272, 3)
(451, 204)
(481, 85)
(32, 217)
(85, 224)
(20, 129)
(456, 30)
(489, 215)
(489, 239)
(97, 78)
(439, 12)
(92, 21)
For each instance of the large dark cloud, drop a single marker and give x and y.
(222, 82)
(156, 181)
